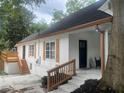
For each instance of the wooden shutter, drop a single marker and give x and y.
(44, 51)
(35, 50)
(57, 50)
(29, 51)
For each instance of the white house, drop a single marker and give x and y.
(83, 35)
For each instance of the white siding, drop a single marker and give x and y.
(64, 49)
(19, 49)
(11, 68)
(41, 69)
(69, 49)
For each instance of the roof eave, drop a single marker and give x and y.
(89, 24)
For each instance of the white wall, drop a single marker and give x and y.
(19, 50)
(41, 69)
(93, 48)
(69, 49)
(11, 68)
(64, 49)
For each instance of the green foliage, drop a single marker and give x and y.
(3, 44)
(15, 21)
(74, 5)
(71, 7)
(36, 27)
(3, 73)
(57, 15)
(23, 2)
(44, 82)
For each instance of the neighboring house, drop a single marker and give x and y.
(74, 37)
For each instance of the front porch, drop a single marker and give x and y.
(89, 47)
(84, 47)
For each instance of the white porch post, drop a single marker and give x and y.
(106, 46)
(102, 52)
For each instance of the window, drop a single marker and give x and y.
(31, 50)
(50, 50)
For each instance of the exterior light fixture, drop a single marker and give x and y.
(98, 29)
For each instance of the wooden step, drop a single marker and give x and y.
(24, 67)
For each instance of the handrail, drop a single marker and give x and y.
(6, 56)
(60, 74)
(3, 56)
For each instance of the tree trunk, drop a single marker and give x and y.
(114, 73)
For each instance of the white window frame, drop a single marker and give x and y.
(31, 50)
(50, 50)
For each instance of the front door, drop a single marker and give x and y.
(23, 52)
(82, 53)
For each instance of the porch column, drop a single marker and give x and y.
(57, 50)
(102, 54)
(106, 47)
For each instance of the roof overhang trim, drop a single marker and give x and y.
(86, 25)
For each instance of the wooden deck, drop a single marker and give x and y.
(12, 57)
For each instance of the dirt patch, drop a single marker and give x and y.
(5, 90)
(11, 90)
(91, 86)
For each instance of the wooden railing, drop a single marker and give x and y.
(1, 63)
(60, 74)
(9, 56)
(3, 56)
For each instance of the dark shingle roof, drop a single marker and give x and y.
(85, 15)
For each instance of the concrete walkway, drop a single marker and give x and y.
(31, 83)
(18, 81)
(78, 80)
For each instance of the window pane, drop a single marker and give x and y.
(47, 54)
(52, 45)
(52, 56)
(50, 50)
(47, 46)
(31, 50)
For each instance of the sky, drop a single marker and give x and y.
(44, 11)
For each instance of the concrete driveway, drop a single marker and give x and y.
(20, 84)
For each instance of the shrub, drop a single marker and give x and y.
(3, 73)
(44, 82)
